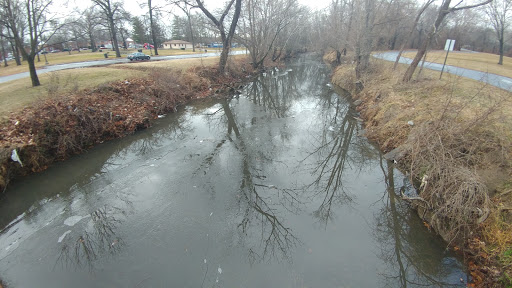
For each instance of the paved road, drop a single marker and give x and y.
(58, 67)
(492, 79)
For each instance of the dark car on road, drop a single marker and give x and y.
(138, 56)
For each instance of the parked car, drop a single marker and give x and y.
(138, 56)
(55, 51)
(44, 52)
(66, 50)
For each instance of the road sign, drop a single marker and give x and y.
(450, 43)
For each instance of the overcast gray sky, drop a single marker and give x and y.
(133, 7)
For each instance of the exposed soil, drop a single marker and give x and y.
(452, 139)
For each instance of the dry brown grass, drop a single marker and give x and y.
(459, 146)
(484, 62)
(17, 94)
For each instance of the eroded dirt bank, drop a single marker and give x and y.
(66, 125)
(453, 138)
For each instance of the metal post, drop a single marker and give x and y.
(445, 58)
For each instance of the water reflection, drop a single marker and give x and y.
(97, 239)
(258, 202)
(267, 167)
(28, 201)
(412, 259)
(336, 149)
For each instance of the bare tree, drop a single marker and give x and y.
(109, 9)
(226, 36)
(498, 13)
(152, 28)
(3, 47)
(365, 38)
(443, 11)
(263, 22)
(186, 7)
(91, 20)
(41, 28)
(413, 28)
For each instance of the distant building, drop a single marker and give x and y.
(177, 44)
(130, 43)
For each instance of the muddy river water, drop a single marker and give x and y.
(274, 188)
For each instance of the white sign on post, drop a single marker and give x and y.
(450, 43)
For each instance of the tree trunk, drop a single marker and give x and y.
(32, 70)
(16, 54)
(443, 11)
(191, 32)
(224, 54)
(114, 36)
(3, 52)
(413, 28)
(152, 26)
(502, 44)
(91, 40)
(365, 42)
(226, 38)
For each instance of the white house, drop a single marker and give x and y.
(177, 44)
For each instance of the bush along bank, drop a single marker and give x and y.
(57, 128)
(453, 139)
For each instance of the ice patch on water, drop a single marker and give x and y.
(71, 221)
(63, 236)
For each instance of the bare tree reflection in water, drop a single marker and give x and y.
(411, 258)
(97, 239)
(333, 146)
(263, 206)
(260, 204)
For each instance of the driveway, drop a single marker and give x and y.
(489, 78)
(58, 67)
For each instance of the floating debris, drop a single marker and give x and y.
(71, 221)
(219, 270)
(63, 236)
(15, 157)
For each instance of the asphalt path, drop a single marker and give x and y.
(489, 78)
(58, 67)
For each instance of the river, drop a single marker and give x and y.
(276, 187)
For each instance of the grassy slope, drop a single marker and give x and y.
(484, 62)
(471, 116)
(17, 94)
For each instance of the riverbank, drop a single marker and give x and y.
(53, 129)
(454, 138)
